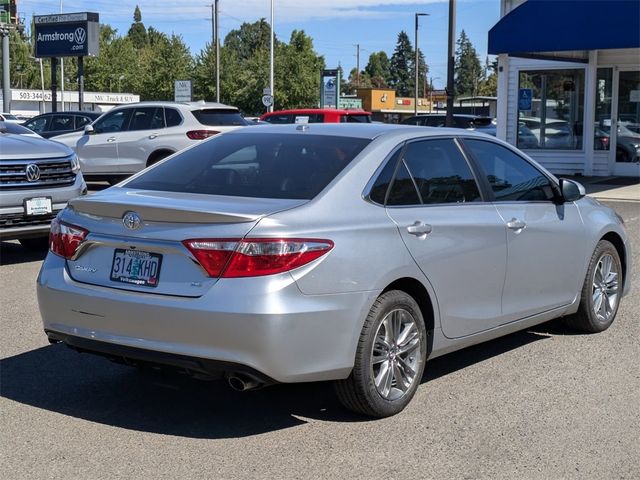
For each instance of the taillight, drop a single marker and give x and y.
(64, 238)
(255, 257)
(201, 134)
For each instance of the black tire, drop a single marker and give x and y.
(37, 244)
(587, 318)
(359, 392)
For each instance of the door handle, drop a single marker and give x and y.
(111, 139)
(152, 136)
(419, 229)
(515, 224)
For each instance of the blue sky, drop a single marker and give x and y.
(336, 26)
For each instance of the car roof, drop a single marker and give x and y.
(319, 110)
(191, 105)
(358, 130)
(69, 112)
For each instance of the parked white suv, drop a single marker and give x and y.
(131, 137)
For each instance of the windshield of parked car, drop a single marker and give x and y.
(262, 165)
(218, 117)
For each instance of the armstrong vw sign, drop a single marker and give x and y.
(67, 35)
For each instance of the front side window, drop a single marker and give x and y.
(279, 119)
(38, 125)
(82, 121)
(551, 106)
(113, 122)
(260, 165)
(510, 176)
(441, 172)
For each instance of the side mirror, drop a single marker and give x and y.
(571, 190)
(89, 130)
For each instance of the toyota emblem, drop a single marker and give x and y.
(33, 172)
(131, 220)
(80, 35)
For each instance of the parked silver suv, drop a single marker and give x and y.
(37, 178)
(131, 137)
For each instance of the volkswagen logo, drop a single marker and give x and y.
(33, 172)
(80, 35)
(131, 220)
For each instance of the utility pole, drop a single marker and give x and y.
(451, 62)
(272, 93)
(416, 67)
(6, 78)
(357, 65)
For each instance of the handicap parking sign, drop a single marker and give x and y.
(524, 98)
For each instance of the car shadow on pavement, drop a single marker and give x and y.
(12, 253)
(60, 380)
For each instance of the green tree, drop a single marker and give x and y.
(164, 61)
(423, 72)
(137, 32)
(489, 85)
(468, 71)
(24, 70)
(379, 69)
(117, 65)
(298, 69)
(401, 66)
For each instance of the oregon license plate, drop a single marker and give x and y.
(37, 206)
(136, 267)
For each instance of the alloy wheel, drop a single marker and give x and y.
(605, 287)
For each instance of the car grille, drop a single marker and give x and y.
(12, 220)
(53, 172)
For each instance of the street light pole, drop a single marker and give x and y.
(451, 62)
(417, 66)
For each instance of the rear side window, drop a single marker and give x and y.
(379, 189)
(356, 119)
(511, 177)
(441, 172)
(172, 117)
(403, 190)
(262, 165)
(61, 122)
(147, 118)
(278, 119)
(219, 117)
(434, 121)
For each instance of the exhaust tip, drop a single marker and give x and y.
(242, 383)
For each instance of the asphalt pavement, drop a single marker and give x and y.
(544, 403)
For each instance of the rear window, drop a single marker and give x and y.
(219, 117)
(356, 119)
(259, 165)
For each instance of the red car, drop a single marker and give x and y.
(317, 115)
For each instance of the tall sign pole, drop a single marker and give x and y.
(451, 62)
(417, 66)
(271, 62)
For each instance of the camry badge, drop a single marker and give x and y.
(131, 220)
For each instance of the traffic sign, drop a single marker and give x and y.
(267, 100)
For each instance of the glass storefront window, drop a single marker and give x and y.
(604, 92)
(551, 109)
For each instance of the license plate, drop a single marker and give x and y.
(136, 267)
(37, 206)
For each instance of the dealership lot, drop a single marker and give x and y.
(543, 403)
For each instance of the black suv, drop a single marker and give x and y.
(51, 124)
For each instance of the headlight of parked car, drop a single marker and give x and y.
(75, 163)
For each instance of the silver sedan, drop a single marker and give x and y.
(350, 253)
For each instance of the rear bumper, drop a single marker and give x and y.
(263, 324)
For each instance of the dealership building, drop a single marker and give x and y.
(30, 102)
(569, 83)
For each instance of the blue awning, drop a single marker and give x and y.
(565, 25)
